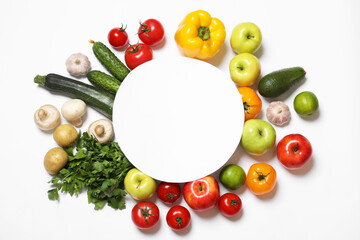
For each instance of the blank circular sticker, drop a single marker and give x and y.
(178, 119)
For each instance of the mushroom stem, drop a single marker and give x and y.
(42, 114)
(77, 122)
(99, 130)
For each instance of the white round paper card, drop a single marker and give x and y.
(178, 119)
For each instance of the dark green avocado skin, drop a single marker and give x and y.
(278, 82)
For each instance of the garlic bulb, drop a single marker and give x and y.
(278, 113)
(78, 64)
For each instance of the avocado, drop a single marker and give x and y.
(278, 82)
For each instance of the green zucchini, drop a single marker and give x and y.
(97, 98)
(103, 80)
(110, 61)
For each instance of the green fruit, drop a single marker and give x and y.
(306, 104)
(232, 176)
(278, 82)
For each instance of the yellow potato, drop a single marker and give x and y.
(55, 159)
(65, 135)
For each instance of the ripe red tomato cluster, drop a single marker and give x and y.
(200, 195)
(150, 32)
(146, 214)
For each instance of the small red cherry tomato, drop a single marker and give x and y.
(151, 32)
(168, 192)
(178, 217)
(145, 215)
(230, 204)
(118, 37)
(137, 54)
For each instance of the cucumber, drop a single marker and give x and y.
(278, 82)
(97, 98)
(103, 80)
(110, 61)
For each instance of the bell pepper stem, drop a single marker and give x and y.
(204, 33)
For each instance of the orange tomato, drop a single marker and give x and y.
(261, 178)
(251, 101)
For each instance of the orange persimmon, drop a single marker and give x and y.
(251, 101)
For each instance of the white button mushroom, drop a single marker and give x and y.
(73, 111)
(47, 117)
(278, 113)
(78, 64)
(102, 130)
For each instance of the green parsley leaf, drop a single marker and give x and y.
(99, 169)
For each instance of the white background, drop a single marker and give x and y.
(320, 201)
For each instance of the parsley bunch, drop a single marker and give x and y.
(100, 169)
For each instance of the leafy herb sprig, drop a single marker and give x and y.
(100, 169)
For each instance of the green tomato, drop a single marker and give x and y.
(232, 176)
(306, 104)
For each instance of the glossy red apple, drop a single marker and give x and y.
(202, 194)
(294, 151)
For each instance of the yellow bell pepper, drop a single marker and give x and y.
(199, 35)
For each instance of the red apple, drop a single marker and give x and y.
(202, 194)
(294, 151)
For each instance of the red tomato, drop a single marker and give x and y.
(178, 217)
(229, 204)
(137, 54)
(151, 32)
(118, 37)
(145, 215)
(168, 192)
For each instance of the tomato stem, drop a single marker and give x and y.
(144, 29)
(261, 176)
(234, 202)
(145, 212)
(122, 28)
(170, 196)
(247, 107)
(179, 221)
(134, 49)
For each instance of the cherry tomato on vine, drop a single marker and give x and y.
(261, 178)
(168, 192)
(178, 217)
(151, 32)
(118, 37)
(137, 54)
(145, 215)
(229, 204)
(251, 101)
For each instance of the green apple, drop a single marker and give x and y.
(306, 104)
(232, 176)
(258, 136)
(139, 185)
(244, 69)
(246, 38)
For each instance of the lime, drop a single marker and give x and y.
(232, 176)
(306, 104)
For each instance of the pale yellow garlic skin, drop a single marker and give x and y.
(278, 113)
(78, 64)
